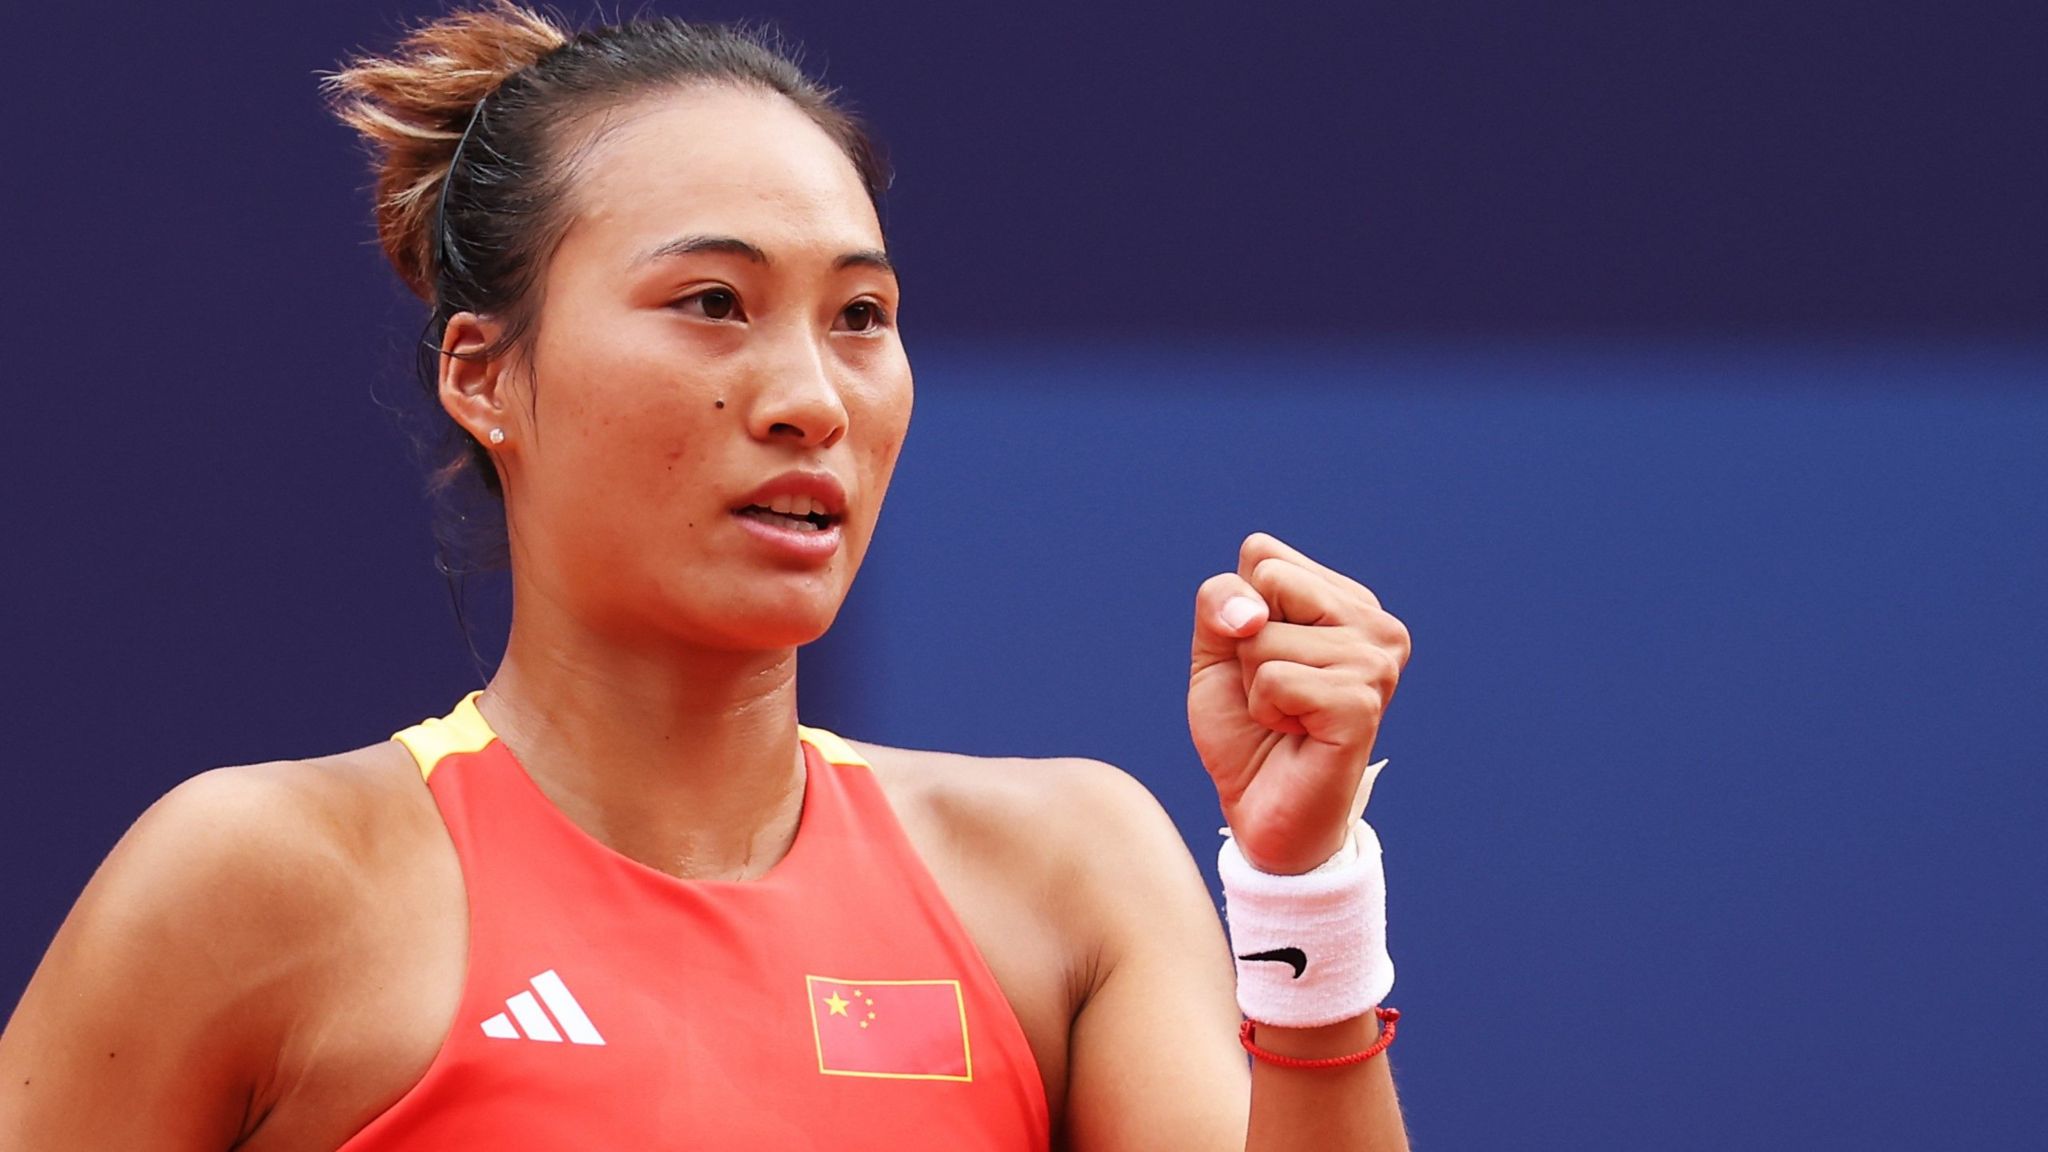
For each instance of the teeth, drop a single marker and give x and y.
(796, 506)
(790, 513)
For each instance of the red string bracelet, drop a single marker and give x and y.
(1248, 1036)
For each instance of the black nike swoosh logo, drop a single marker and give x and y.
(1291, 956)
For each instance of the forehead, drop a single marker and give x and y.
(718, 160)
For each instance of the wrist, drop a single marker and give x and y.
(1275, 857)
(1311, 948)
(1308, 1048)
(1319, 856)
(1322, 1041)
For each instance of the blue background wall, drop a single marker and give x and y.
(1676, 373)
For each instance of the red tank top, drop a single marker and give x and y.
(835, 1003)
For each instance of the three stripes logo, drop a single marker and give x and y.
(535, 1023)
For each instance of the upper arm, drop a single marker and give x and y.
(1154, 1056)
(158, 1012)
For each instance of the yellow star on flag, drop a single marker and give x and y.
(836, 1004)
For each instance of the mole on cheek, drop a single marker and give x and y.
(718, 404)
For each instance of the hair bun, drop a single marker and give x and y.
(412, 105)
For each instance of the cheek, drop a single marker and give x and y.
(619, 405)
(886, 415)
(610, 441)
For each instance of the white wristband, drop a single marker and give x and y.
(1311, 949)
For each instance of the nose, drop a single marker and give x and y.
(798, 401)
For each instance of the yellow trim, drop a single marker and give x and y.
(462, 730)
(833, 749)
(818, 1041)
(465, 730)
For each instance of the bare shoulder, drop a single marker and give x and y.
(1084, 805)
(1069, 827)
(974, 782)
(302, 829)
(266, 857)
(197, 948)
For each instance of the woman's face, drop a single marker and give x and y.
(717, 391)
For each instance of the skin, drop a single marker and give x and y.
(224, 979)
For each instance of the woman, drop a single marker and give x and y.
(634, 905)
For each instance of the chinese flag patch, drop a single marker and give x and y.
(893, 1029)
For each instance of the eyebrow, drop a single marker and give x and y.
(690, 245)
(734, 246)
(866, 258)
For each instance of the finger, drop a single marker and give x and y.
(1315, 646)
(1264, 546)
(1309, 644)
(1301, 595)
(1394, 635)
(1227, 608)
(1320, 647)
(1330, 705)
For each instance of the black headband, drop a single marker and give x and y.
(444, 246)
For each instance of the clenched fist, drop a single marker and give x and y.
(1293, 666)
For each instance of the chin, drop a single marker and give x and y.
(763, 627)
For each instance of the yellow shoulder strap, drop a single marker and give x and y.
(831, 747)
(463, 730)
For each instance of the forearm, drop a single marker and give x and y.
(1345, 1109)
(1312, 948)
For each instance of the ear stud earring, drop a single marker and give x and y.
(497, 435)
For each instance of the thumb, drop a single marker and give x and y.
(1227, 609)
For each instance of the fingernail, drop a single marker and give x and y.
(1239, 611)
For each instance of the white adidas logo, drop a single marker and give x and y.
(534, 1022)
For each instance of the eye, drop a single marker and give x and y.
(712, 304)
(864, 316)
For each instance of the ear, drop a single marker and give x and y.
(475, 386)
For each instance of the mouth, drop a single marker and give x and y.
(803, 514)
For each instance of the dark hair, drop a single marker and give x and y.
(475, 121)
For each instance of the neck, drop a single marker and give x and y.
(683, 759)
